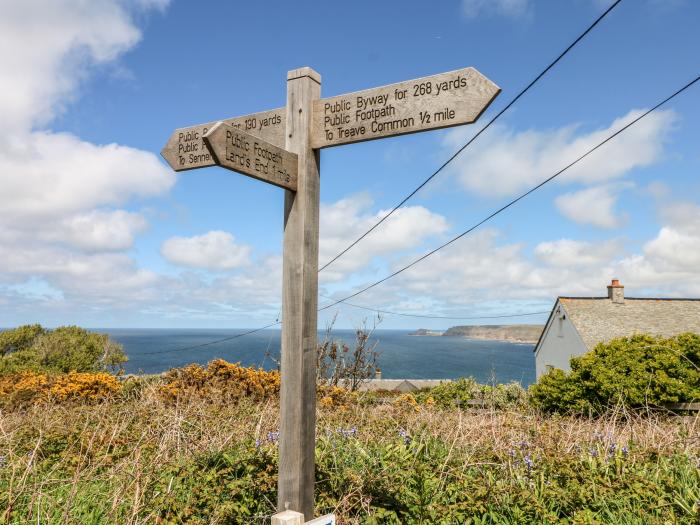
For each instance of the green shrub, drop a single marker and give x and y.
(637, 371)
(461, 392)
(19, 339)
(65, 349)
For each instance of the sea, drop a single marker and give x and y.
(401, 355)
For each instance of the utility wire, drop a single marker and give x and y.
(201, 345)
(460, 150)
(492, 215)
(249, 332)
(426, 181)
(517, 199)
(405, 314)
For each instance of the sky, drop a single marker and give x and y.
(97, 230)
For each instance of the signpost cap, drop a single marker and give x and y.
(288, 517)
(304, 72)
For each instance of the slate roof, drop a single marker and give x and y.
(598, 319)
(401, 385)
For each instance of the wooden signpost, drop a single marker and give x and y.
(186, 150)
(440, 101)
(247, 154)
(282, 147)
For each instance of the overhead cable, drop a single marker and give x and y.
(478, 133)
(517, 199)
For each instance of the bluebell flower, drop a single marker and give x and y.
(272, 437)
(352, 432)
(593, 451)
(404, 435)
(3, 461)
(625, 451)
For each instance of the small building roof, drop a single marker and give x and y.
(401, 385)
(598, 319)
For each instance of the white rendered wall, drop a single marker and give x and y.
(559, 343)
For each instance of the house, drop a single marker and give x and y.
(577, 324)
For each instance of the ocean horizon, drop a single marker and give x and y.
(401, 355)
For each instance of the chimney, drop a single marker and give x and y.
(616, 292)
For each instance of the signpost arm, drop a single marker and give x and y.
(300, 302)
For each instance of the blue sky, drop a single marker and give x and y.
(98, 231)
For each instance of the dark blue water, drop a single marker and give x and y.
(401, 356)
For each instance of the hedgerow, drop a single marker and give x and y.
(637, 371)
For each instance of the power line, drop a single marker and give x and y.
(249, 332)
(399, 205)
(511, 203)
(490, 122)
(405, 314)
(201, 345)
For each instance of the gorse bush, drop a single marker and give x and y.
(219, 380)
(28, 388)
(637, 371)
(335, 396)
(65, 349)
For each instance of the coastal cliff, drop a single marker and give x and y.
(517, 333)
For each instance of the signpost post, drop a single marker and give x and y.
(282, 147)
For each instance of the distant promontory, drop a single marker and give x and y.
(423, 331)
(516, 333)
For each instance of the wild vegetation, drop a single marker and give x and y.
(198, 445)
(637, 372)
(65, 349)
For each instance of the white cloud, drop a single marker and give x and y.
(62, 228)
(508, 8)
(48, 47)
(345, 220)
(677, 245)
(675, 250)
(569, 253)
(99, 230)
(215, 250)
(504, 162)
(483, 273)
(594, 206)
(94, 279)
(52, 174)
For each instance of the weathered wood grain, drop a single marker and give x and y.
(247, 154)
(439, 101)
(186, 150)
(288, 517)
(299, 302)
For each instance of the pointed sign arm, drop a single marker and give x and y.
(244, 153)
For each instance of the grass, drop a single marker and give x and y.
(139, 459)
